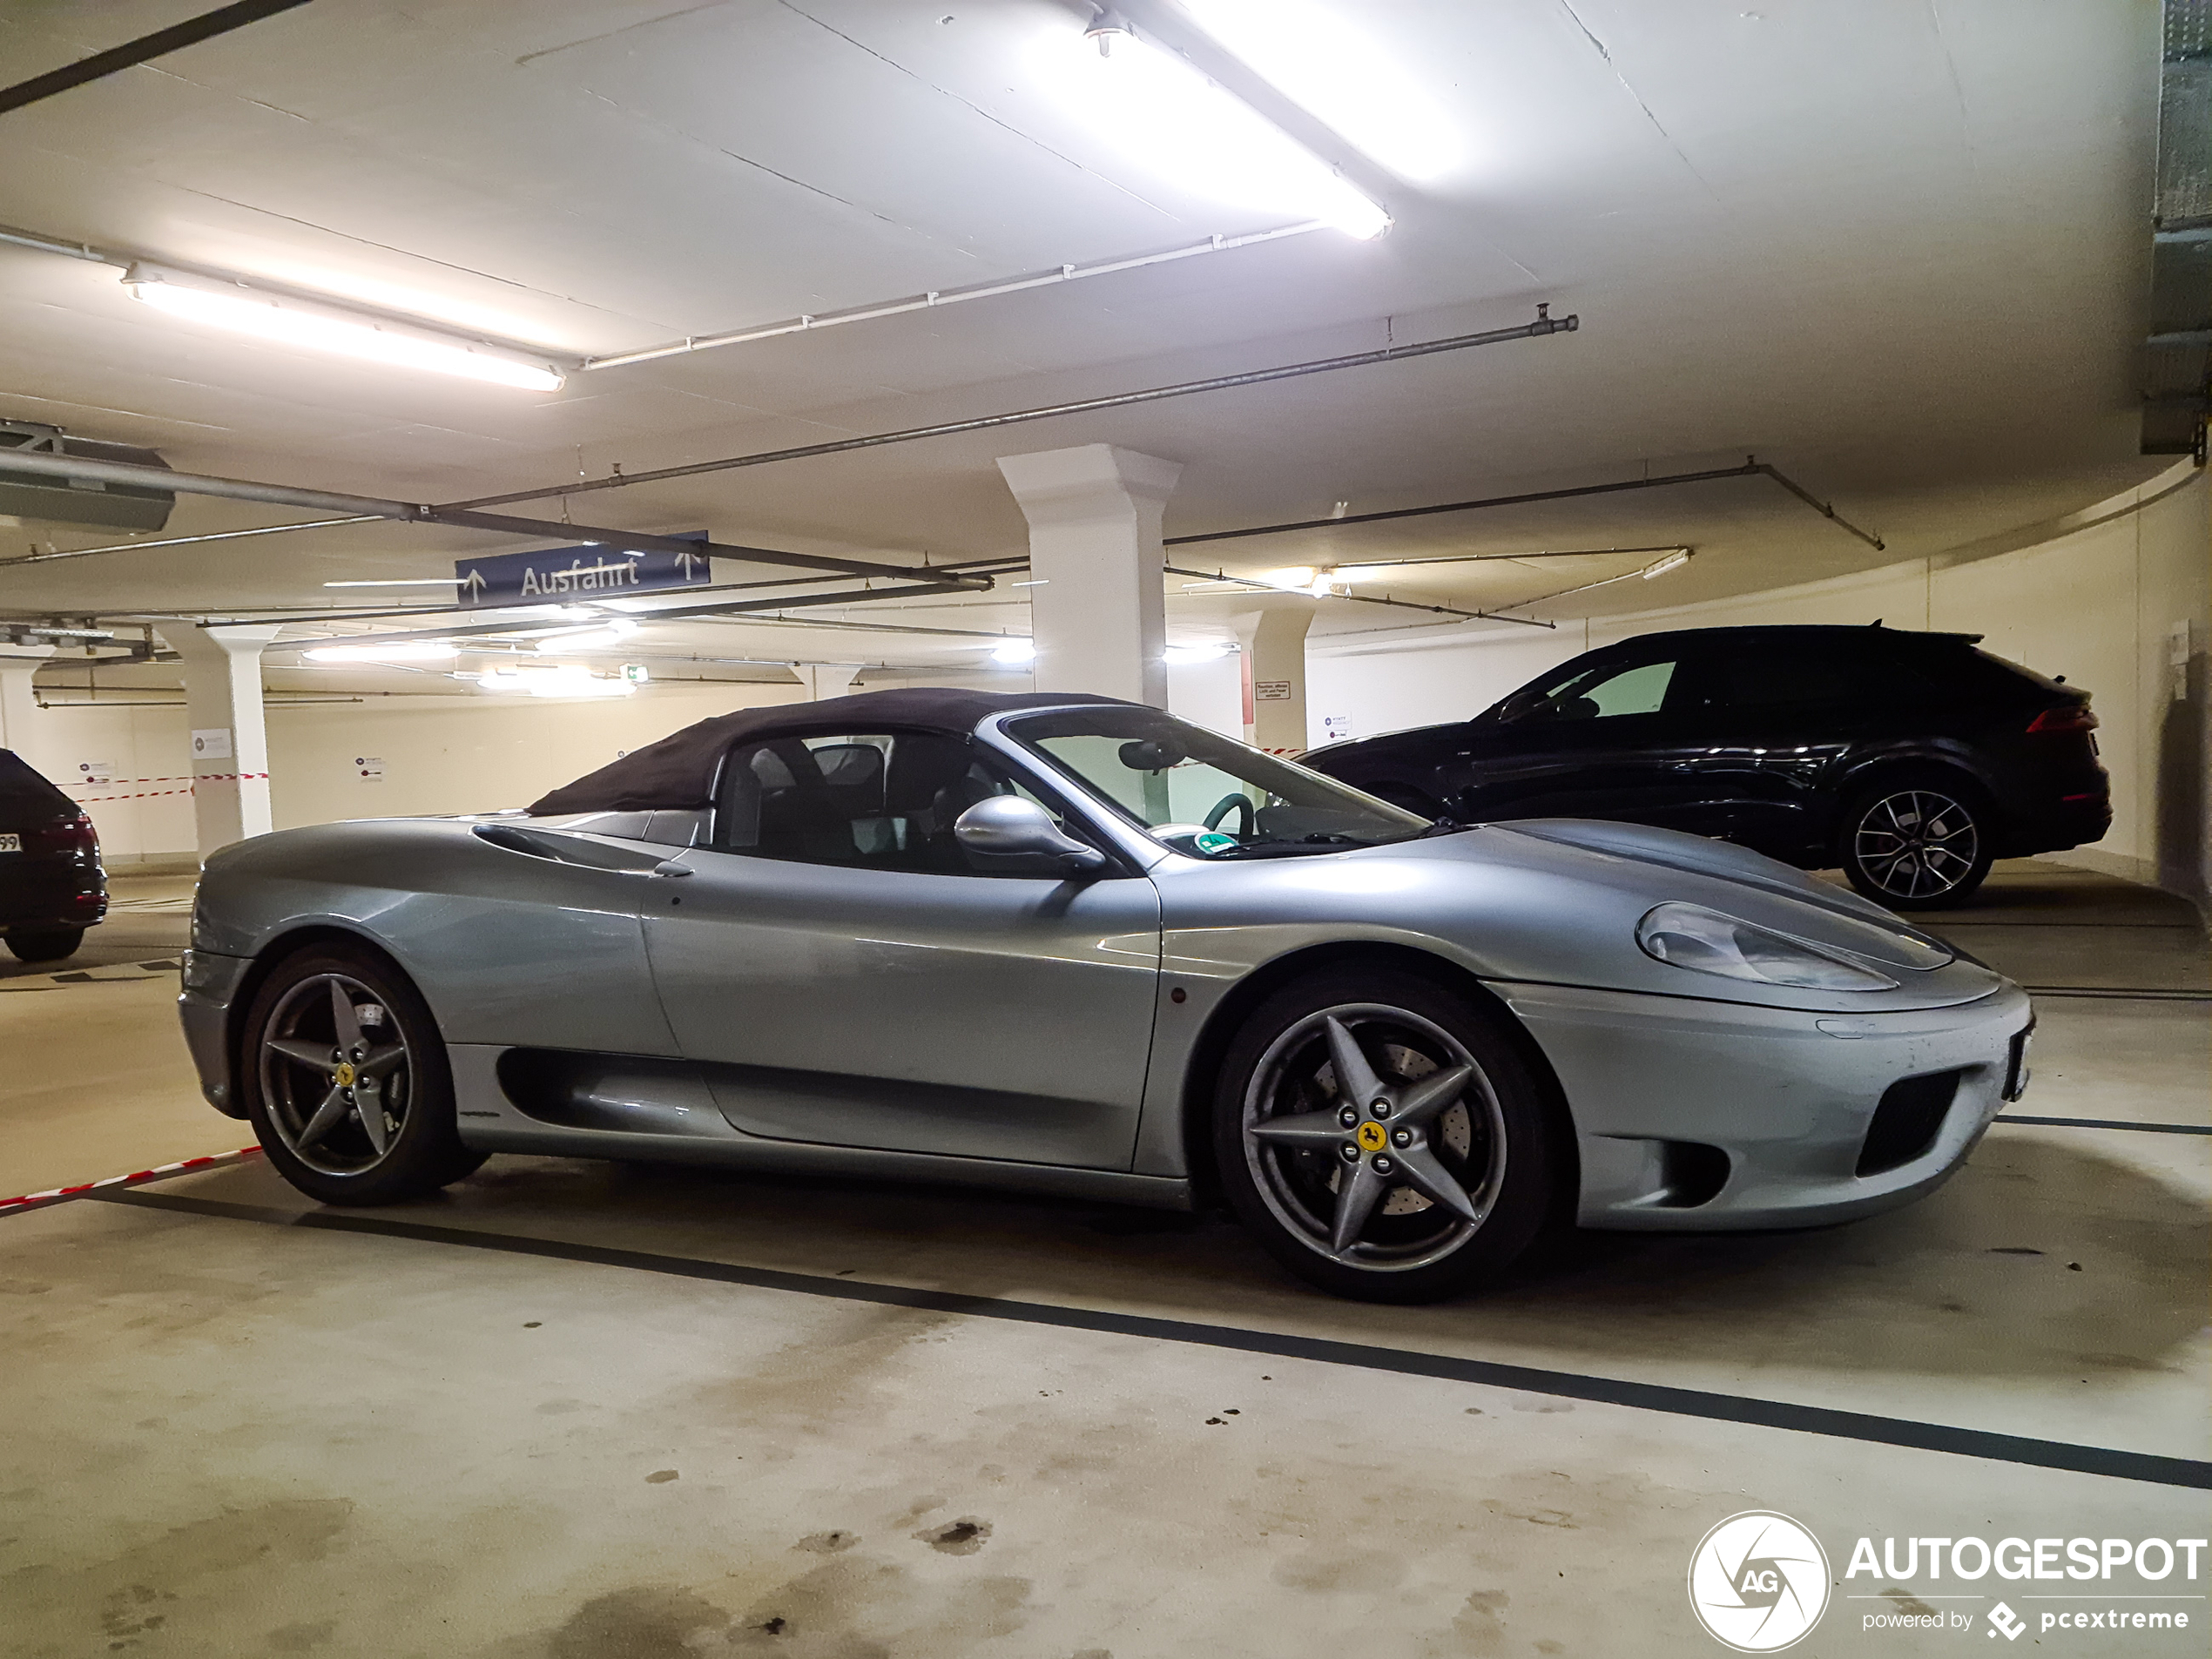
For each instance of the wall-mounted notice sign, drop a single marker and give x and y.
(213, 744)
(95, 772)
(558, 575)
(1271, 691)
(370, 768)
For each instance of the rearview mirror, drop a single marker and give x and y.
(1007, 826)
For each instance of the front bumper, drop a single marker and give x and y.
(210, 986)
(1657, 1085)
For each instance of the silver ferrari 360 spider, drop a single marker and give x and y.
(1074, 946)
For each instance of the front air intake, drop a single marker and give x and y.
(1907, 1121)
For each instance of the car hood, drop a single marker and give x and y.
(1557, 901)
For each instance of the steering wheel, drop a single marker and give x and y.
(1239, 802)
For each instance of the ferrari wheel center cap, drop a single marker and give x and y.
(344, 1075)
(1370, 1138)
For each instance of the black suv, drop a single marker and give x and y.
(1909, 759)
(52, 886)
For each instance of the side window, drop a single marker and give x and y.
(1767, 678)
(1604, 692)
(870, 800)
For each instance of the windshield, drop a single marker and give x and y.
(1204, 795)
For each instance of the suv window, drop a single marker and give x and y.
(878, 800)
(1595, 691)
(1778, 677)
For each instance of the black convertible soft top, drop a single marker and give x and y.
(678, 771)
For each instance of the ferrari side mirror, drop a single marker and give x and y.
(1008, 827)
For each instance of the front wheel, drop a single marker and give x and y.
(50, 945)
(345, 1078)
(1915, 844)
(1383, 1139)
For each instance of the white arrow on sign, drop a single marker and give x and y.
(685, 561)
(475, 585)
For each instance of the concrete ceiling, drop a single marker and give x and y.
(1897, 249)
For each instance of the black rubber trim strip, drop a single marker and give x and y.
(2105, 1123)
(2119, 993)
(1650, 1397)
(100, 65)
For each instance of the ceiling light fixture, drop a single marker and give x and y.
(1015, 651)
(1307, 52)
(1673, 561)
(588, 638)
(1304, 578)
(1191, 130)
(319, 325)
(565, 679)
(1184, 656)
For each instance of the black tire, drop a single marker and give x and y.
(1497, 1135)
(310, 1100)
(1918, 840)
(49, 945)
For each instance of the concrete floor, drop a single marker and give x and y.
(574, 1411)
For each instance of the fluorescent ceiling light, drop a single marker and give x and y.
(1194, 134)
(568, 680)
(416, 651)
(1182, 656)
(1304, 578)
(1673, 561)
(1311, 55)
(318, 326)
(1015, 651)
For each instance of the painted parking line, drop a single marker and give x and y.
(2104, 1123)
(2119, 993)
(1652, 1397)
(136, 1177)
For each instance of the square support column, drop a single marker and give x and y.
(230, 741)
(21, 721)
(824, 680)
(1099, 613)
(1274, 663)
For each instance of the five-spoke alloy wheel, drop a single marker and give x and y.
(1382, 1138)
(345, 1079)
(1914, 847)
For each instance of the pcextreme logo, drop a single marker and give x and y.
(1758, 1582)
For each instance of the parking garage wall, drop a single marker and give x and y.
(2118, 599)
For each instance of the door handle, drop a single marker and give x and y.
(669, 866)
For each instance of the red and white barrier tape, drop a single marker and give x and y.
(191, 786)
(38, 1200)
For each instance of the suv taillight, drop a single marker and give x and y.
(71, 835)
(2066, 716)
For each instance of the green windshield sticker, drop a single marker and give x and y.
(1211, 841)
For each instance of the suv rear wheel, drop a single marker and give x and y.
(50, 945)
(1916, 843)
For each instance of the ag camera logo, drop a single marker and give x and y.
(1758, 1582)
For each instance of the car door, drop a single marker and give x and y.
(846, 976)
(1770, 715)
(1602, 739)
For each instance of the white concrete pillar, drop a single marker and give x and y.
(21, 721)
(825, 680)
(1274, 664)
(230, 740)
(1098, 611)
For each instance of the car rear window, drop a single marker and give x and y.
(27, 798)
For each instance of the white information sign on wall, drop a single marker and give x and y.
(371, 768)
(95, 772)
(1336, 728)
(213, 744)
(1271, 691)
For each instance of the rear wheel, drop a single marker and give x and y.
(50, 945)
(1916, 843)
(1383, 1139)
(346, 1081)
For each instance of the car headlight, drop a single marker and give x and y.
(1705, 941)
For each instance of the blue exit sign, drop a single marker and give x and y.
(565, 575)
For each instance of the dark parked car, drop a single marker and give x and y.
(52, 886)
(1909, 759)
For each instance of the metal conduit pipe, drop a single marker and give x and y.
(358, 507)
(1545, 324)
